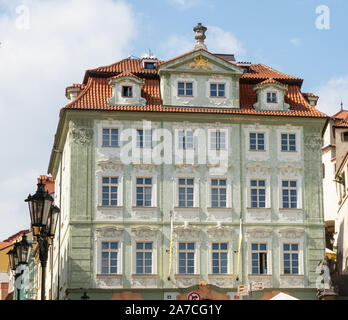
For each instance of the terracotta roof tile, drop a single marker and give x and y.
(96, 91)
(126, 73)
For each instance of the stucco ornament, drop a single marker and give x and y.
(81, 133)
(313, 140)
(144, 232)
(200, 63)
(220, 233)
(109, 231)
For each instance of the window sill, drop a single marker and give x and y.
(144, 208)
(219, 208)
(186, 208)
(111, 147)
(258, 209)
(290, 209)
(261, 151)
(101, 207)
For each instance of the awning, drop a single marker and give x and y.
(330, 254)
(283, 296)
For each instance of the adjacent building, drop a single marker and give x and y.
(156, 164)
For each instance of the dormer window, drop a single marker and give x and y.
(271, 97)
(217, 90)
(149, 65)
(127, 92)
(185, 89)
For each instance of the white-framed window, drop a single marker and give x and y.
(258, 193)
(144, 138)
(256, 141)
(218, 193)
(288, 142)
(217, 90)
(259, 258)
(127, 91)
(143, 253)
(185, 139)
(109, 257)
(108, 250)
(218, 140)
(219, 257)
(110, 191)
(289, 194)
(291, 258)
(110, 137)
(186, 192)
(272, 97)
(185, 88)
(143, 192)
(186, 254)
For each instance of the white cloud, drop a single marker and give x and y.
(46, 46)
(186, 4)
(217, 41)
(221, 41)
(332, 94)
(295, 41)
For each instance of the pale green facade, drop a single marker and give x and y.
(81, 222)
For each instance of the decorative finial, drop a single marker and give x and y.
(200, 36)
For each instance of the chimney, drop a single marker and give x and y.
(200, 36)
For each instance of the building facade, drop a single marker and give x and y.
(148, 151)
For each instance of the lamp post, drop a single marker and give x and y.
(44, 217)
(19, 256)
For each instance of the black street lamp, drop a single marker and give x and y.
(44, 217)
(18, 256)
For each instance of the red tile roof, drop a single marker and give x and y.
(342, 114)
(96, 91)
(271, 80)
(16, 236)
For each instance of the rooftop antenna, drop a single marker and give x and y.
(341, 105)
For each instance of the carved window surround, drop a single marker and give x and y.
(259, 235)
(295, 236)
(108, 233)
(186, 233)
(287, 155)
(258, 171)
(145, 171)
(290, 172)
(109, 168)
(220, 234)
(187, 172)
(258, 155)
(145, 234)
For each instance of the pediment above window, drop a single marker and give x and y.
(271, 96)
(126, 90)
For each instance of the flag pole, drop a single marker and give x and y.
(239, 245)
(170, 245)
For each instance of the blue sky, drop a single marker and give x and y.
(46, 45)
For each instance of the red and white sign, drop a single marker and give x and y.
(193, 296)
(257, 286)
(243, 290)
